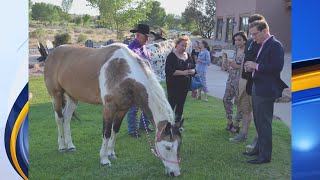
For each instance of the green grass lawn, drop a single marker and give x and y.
(206, 152)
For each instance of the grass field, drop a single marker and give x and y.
(206, 152)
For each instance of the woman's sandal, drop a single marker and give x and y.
(229, 127)
(235, 129)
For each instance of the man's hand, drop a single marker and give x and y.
(250, 66)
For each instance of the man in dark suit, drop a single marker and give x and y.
(266, 87)
(251, 51)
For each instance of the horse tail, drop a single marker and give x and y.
(75, 115)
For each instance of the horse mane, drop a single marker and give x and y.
(158, 94)
(155, 88)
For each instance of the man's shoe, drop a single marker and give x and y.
(258, 161)
(239, 138)
(250, 153)
(253, 143)
(135, 135)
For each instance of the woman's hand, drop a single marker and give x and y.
(233, 64)
(198, 61)
(191, 71)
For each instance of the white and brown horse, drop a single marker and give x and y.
(116, 78)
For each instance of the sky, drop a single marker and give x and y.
(79, 6)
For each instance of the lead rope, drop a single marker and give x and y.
(136, 120)
(148, 136)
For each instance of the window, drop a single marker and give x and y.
(229, 30)
(244, 24)
(219, 29)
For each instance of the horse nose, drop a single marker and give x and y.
(172, 174)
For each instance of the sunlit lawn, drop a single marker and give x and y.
(206, 152)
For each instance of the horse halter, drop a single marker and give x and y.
(156, 153)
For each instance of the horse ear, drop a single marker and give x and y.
(179, 124)
(168, 128)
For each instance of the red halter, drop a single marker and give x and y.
(159, 155)
(156, 153)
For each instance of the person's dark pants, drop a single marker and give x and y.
(177, 96)
(263, 115)
(132, 120)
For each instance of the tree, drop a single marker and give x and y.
(121, 14)
(202, 13)
(86, 19)
(156, 17)
(45, 12)
(173, 22)
(78, 21)
(30, 9)
(66, 5)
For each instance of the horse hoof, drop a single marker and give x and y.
(112, 156)
(62, 150)
(72, 149)
(108, 164)
(105, 162)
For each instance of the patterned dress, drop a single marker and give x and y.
(232, 89)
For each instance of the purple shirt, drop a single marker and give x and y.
(139, 49)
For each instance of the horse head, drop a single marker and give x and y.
(168, 142)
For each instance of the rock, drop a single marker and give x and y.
(36, 66)
(286, 96)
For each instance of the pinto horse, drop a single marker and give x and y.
(116, 78)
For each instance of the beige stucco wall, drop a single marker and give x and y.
(278, 18)
(275, 12)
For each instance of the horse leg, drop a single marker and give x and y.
(57, 104)
(115, 129)
(67, 114)
(106, 133)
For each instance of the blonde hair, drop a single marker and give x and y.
(183, 38)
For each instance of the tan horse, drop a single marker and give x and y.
(116, 78)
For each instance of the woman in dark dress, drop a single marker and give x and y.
(179, 70)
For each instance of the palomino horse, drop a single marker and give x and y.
(116, 78)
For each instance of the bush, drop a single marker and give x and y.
(195, 33)
(38, 33)
(90, 31)
(60, 39)
(77, 30)
(82, 38)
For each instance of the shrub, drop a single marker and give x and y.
(90, 31)
(38, 34)
(60, 39)
(195, 33)
(77, 30)
(82, 38)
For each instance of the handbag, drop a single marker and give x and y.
(195, 83)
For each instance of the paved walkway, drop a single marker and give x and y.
(216, 81)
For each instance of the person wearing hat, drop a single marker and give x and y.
(138, 46)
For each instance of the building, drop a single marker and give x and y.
(232, 16)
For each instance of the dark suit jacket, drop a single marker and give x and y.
(267, 79)
(250, 53)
